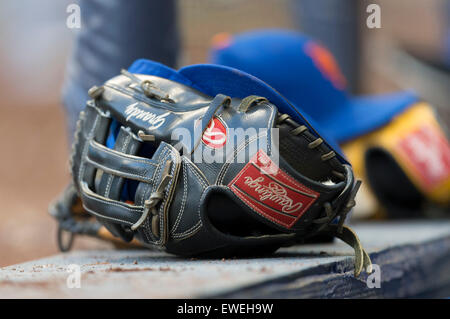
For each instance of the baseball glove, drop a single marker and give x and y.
(166, 164)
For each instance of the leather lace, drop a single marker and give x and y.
(151, 203)
(327, 226)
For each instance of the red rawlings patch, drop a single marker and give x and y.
(428, 153)
(272, 193)
(215, 134)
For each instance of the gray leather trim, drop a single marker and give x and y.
(183, 199)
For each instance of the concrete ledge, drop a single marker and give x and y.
(414, 260)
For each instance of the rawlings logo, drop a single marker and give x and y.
(155, 121)
(273, 192)
(215, 134)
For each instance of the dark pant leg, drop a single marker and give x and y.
(113, 34)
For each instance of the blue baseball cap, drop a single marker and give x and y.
(213, 79)
(307, 74)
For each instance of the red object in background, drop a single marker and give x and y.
(428, 153)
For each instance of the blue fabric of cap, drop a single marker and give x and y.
(305, 73)
(214, 79)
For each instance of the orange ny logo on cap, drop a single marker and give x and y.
(326, 63)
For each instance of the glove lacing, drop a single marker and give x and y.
(339, 230)
(148, 88)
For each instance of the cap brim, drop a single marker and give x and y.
(362, 115)
(213, 79)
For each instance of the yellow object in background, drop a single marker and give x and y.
(419, 146)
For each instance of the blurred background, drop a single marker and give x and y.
(35, 44)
